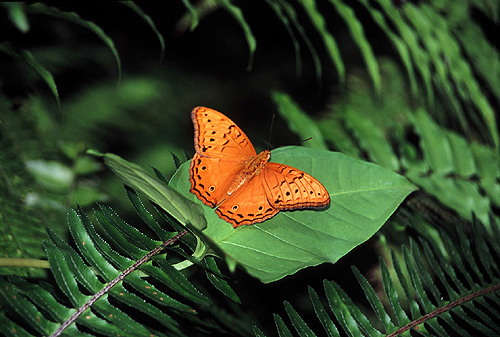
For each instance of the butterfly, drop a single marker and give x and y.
(244, 187)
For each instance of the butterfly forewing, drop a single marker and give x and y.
(211, 177)
(288, 188)
(248, 205)
(217, 136)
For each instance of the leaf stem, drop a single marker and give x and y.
(443, 309)
(119, 278)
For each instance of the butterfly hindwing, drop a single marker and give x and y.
(248, 205)
(217, 136)
(288, 188)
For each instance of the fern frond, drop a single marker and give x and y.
(25, 207)
(435, 301)
(318, 21)
(462, 175)
(104, 251)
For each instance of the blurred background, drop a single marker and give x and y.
(379, 80)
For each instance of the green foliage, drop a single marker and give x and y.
(185, 212)
(36, 191)
(411, 86)
(329, 41)
(101, 250)
(461, 175)
(299, 122)
(73, 17)
(150, 23)
(27, 58)
(360, 190)
(361, 194)
(238, 15)
(439, 289)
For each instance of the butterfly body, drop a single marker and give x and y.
(253, 167)
(245, 188)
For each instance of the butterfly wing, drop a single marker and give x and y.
(222, 152)
(217, 136)
(248, 205)
(288, 188)
(211, 177)
(222, 149)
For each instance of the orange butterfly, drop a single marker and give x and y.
(245, 188)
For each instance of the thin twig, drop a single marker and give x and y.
(111, 284)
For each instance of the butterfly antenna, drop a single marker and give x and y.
(271, 130)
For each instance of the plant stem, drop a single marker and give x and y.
(119, 278)
(443, 309)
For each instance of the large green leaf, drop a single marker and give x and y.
(363, 196)
(183, 211)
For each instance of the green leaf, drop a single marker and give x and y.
(419, 55)
(319, 24)
(374, 300)
(17, 15)
(350, 318)
(300, 326)
(258, 332)
(298, 121)
(130, 233)
(175, 280)
(150, 22)
(24, 308)
(176, 160)
(42, 299)
(488, 166)
(434, 312)
(238, 15)
(435, 147)
(358, 34)
(194, 14)
(41, 8)
(146, 216)
(372, 139)
(469, 89)
(63, 276)
(463, 160)
(52, 175)
(28, 58)
(283, 330)
(398, 43)
(292, 14)
(392, 296)
(219, 283)
(461, 195)
(478, 48)
(10, 329)
(323, 317)
(278, 11)
(184, 211)
(80, 229)
(363, 196)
